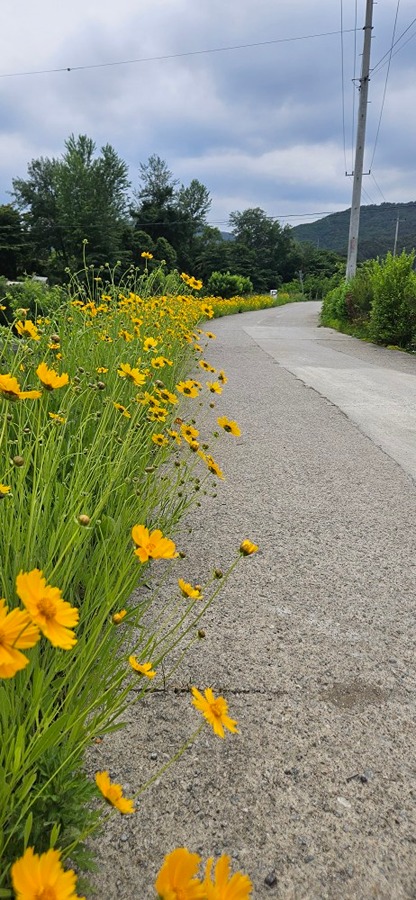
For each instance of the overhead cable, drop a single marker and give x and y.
(144, 59)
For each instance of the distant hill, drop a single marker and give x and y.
(377, 230)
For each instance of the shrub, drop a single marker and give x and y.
(335, 305)
(223, 284)
(393, 311)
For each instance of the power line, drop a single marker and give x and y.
(342, 84)
(388, 54)
(127, 62)
(354, 79)
(385, 85)
(378, 188)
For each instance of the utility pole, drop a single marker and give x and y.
(359, 147)
(396, 234)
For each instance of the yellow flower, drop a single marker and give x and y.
(189, 433)
(157, 414)
(194, 593)
(222, 377)
(214, 387)
(238, 887)
(166, 395)
(214, 710)
(177, 877)
(159, 362)
(28, 329)
(122, 409)
(49, 378)
(174, 434)
(42, 877)
(142, 668)
(207, 310)
(9, 386)
(54, 616)
(126, 371)
(4, 489)
(113, 793)
(247, 548)
(160, 440)
(206, 366)
(152, 545)
(149, 344)
(102, 370)
(60, 420)
(211, 465)
(210, 335)
(119, 616)
(229, 425)
(17, 632)
(125, 335)
(188, 388)
(146, 255)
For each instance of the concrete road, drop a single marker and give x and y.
(312, 641)
(376, 388)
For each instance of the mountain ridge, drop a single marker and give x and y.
(377, 230)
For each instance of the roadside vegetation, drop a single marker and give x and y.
(378, 304)
(101, 389)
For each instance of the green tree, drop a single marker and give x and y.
(266, 256)
(11, 241)
(82, 196)
(155, 208)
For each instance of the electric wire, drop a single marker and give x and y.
(127, 62)
(354, 78)
(343, 84)
(385, 86)
(384, 59)
(378, 187)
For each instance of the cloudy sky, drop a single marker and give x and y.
(259, 126)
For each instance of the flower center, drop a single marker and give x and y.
(47, 893)
(216, 708)
(47, 608)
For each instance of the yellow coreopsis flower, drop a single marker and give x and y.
(17, 632)
(42, 876)
(160, 440)
(4, 490)
(53, 615)
(206, 366)
(215, 711)
(49, 378)
(214, 387)
(118, 617)
(113, 793)
(146, 255)
(10, 388)
(152, 545)
(134, 375)
(188, 388)
(224, 887)
(189, 432)
(122, 409)
(194, 593)
(247, 548)
(149, 343)
(142, 668)
(28, 329)
(229, 425)
(212, 466)
(177, 877)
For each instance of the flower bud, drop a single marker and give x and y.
(18, 461)
(84, 520)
